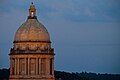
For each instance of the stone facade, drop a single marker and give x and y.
(31, 66)
(32, 59)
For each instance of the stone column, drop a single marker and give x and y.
(28, 66)
(36, 66)
(11, 66)
(39, 66)
(53, 66)
(47, 66)
(18, 66)
(25, 66)
(15, 66)
(44, 68)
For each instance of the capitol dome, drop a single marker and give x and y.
(32, 29)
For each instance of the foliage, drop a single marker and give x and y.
(4, 74)
(61, 75)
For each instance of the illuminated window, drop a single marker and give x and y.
(32, 14)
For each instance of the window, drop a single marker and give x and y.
(22, 66)
(43, 66)
(32, 66)
(32, 14)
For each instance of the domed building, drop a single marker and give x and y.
(32, 57)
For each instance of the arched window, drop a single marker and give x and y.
(32, 14)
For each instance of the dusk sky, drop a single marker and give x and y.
(84, 33)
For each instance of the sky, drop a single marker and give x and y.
(84, 33)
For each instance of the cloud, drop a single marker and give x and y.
(79, 29)
(72, 10)
(88, 12)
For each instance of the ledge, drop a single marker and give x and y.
(31, 41)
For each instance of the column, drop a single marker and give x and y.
(53, 66)
(47, 66)
(28, 66)
(25, 66)
(39, 66)
(11, 66)
(44, 66)
(36, 66)
(18, 66)
(15, 66)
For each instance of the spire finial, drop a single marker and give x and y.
(32, 2)
(32, 12)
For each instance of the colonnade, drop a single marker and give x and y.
(31, 66)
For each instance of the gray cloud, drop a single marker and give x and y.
(83, 32)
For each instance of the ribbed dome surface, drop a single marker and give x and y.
(32, 30)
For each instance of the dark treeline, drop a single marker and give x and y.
(85, 76)
(61, 75)
(4, 74)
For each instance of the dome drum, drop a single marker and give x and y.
(29, 45)
(31, 51)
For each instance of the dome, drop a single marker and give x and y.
(32, 29)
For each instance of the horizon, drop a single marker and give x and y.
(85, 34)
(77, 72)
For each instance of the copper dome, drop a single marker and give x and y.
(32, 30)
